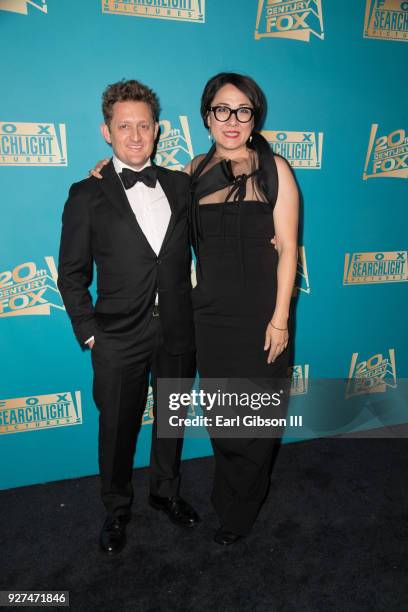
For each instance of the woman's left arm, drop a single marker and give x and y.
(285, 216)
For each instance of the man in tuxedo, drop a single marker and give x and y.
(133, 226)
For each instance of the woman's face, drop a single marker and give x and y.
(231, 134)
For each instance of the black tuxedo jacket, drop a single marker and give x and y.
(99, 226)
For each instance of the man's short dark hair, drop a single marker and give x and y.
(122, 91)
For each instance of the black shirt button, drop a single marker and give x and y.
(158, 261)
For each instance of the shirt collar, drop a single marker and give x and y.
(119, 165)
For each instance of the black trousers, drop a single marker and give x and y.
(242, 465)
(121, 378)
(241, 480)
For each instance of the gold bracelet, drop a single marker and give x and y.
(278, 328)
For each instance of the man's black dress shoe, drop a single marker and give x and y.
(178, 510)
(224, 537)
(113, 535)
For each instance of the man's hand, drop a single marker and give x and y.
(96, 171)
(90, 342)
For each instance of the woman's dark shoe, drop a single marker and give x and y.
(225, 538)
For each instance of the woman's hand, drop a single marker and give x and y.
(96, 171)
(276, 340)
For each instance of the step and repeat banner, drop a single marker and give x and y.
(334, 76)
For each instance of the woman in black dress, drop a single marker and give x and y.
(242, 196)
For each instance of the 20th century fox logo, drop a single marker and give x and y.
(40, 412)
(297, 20)
(179, 10)
(300, 149)
(21, 6)
(29, 290)
(175, 147)
(33, 144)
(373, 375)
(387, 155)
(299, 379)
(386, 19)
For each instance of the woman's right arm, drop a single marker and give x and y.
(96, 172)
(188, 169)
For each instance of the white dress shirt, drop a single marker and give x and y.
(151, 209)
(150, 206)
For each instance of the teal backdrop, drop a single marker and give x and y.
(334, 74)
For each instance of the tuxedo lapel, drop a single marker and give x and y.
(116, 194)
(167, 182)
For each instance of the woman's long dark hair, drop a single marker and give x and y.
(266, 178)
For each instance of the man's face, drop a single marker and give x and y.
(132, 132)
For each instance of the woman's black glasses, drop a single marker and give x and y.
(244, 114)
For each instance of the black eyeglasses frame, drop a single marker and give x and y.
(232, 111)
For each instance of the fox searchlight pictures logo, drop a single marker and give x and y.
(386, 20)
(378, 267)
(21, 6)
(300, 149)
(297, 20)
(21, 414)
(148, 414)
(33, 144)
(179, 10)
(302, 283)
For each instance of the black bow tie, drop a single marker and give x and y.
(148, 176)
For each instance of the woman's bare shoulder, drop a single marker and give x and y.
(285, 172)
(281, 163)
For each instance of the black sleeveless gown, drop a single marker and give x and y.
(233, 302)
